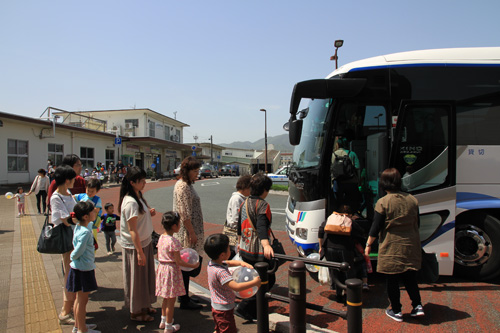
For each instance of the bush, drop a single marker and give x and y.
(279, 187)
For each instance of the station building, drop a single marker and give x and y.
(141, 137)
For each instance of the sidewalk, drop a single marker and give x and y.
(33, 285)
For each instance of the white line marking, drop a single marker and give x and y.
(210, 184)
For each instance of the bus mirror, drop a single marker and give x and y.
(286, 126)
(295, 131)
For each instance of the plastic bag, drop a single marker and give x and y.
(324, 274)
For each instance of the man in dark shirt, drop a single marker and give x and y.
(79, 185)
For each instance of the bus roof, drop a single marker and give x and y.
(473, 55)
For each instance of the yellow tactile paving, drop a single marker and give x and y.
(40, 313)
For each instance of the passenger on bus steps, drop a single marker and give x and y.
(345, 175)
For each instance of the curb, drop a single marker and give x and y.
(278, 323)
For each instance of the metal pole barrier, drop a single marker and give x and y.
(262, 302)
(297, 295)
(354, 306)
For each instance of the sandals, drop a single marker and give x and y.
(141, 316)
(151, 310)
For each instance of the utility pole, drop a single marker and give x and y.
(265, 136)
(211, 151)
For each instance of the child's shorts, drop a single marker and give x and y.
(81, 281)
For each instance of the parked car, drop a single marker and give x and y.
(280, 176)
(228, 170)
(177, 171)
(208, 170)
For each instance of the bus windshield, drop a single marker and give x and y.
(307, 153)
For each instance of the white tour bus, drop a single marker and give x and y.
(432, 114)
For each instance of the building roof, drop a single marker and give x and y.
(174, 121)
(271, 155)
(206, 145)
(49, 123)
(160, 142)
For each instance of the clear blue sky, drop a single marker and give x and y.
(214, 62)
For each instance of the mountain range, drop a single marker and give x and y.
(280, 143)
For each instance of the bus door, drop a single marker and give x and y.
(425, 155)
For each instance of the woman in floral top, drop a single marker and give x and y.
(187, 204)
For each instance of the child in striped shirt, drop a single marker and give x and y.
(221, 284)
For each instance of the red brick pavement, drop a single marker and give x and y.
(451, 305)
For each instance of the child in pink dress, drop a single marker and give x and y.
(169, 282)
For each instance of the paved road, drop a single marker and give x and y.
(214, 194)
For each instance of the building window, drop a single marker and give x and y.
(167, 132)
(227, 153)
(249, 155)
(131, 123)
(152, 129)
(178, 135)
(56, 153)
(87, 157)
(110, 157)
(17, 155)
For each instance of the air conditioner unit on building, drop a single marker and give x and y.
(126, 134)
(128, 125)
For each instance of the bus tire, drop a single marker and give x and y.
(477, 246)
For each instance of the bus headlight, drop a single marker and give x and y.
(301, 233)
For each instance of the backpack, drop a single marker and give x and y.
(342, 167)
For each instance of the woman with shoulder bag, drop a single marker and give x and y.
(254, 228)
(338, 248)
(232, 212)
(62, 204)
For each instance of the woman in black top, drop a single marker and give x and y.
(338, 248)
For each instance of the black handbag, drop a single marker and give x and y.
(55, 239)
(277, 249)
(429, 271)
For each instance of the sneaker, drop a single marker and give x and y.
(89, 327)
(365, 287)
(110, 253)
(66, 320)
(19, 215)
(396, 316)
(417, 311)
(172, 328)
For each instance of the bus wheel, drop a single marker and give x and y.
(477, 246)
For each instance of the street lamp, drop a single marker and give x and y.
(265, 135)
(338, 43)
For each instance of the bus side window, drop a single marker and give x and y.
(423, 148)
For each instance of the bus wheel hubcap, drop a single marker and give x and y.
(472, 246)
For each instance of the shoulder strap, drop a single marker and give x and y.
(248, 216)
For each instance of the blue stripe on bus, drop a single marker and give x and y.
(444, 229)
(469, 200)
(421, 65)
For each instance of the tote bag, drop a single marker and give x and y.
(55, 239)
(338, 224)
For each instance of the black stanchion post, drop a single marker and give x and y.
(354, 306)
(297, 295)
(262, 302)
